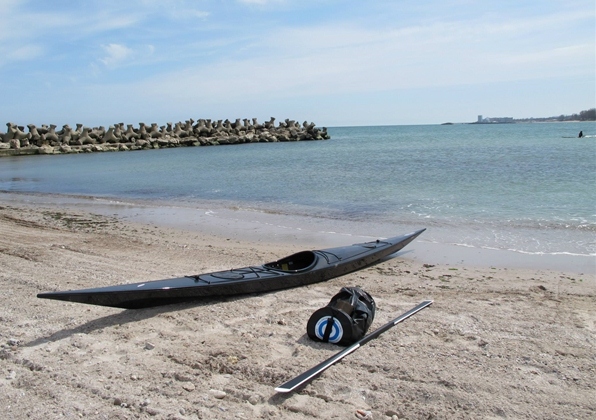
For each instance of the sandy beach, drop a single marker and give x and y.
(498, 342)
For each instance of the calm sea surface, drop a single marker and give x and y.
(529, 188)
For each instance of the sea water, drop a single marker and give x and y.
(526, 188)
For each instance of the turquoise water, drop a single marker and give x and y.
(523, 187)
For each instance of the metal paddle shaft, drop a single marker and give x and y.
(303, 378)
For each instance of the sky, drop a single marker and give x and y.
(335, 63)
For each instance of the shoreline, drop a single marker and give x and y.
(275, 228)
(531, 331)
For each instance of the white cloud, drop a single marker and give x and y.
(117, 55)
(229, 60)
(25, 53)
(343, 58)
(105, 22)
(199, 14)
(184, 13)
(7, 6)
(260, 2)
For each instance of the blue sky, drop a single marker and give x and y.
(335, 63)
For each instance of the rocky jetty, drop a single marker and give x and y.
(48, 140)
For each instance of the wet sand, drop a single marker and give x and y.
(500, 341)
(254, 226)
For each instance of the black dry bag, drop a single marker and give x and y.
(345, 319)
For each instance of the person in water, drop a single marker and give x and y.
(581, 134)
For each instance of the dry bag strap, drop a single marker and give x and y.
(330, 324)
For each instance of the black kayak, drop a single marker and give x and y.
(299, 269)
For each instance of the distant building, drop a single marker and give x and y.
(501, 120)
(494, 120)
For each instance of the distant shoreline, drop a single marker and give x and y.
(587, 115)
(516, 122)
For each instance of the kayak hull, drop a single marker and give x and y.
(303, 268)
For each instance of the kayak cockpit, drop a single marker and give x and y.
(296, 262)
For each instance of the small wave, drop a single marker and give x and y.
(573, 254)
(551, 253)
(521, 251)
(19, 179)
(464, 245)
(518, 251)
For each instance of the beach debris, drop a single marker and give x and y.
(216, 393)
(364, 414)
(254, 399)
(188, 386)
(182, 378)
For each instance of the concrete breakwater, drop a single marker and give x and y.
(205, 132)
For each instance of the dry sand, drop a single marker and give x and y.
(497, 343)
